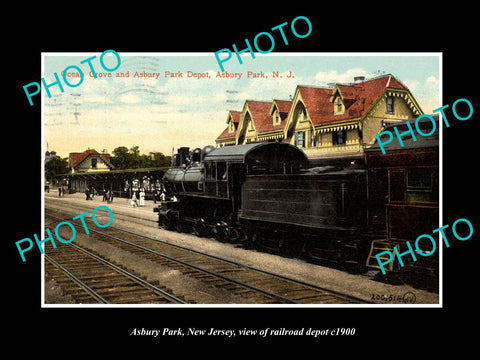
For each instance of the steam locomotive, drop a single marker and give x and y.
(264, 195)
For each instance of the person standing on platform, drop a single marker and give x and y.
(142, 197)
(133, 202)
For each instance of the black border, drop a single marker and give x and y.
(208, 28)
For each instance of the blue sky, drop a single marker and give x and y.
(160, 113)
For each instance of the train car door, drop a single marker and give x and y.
(216, 179)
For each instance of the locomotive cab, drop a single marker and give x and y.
(208, 183)
(226, 167)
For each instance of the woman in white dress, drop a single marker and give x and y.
(134, 199)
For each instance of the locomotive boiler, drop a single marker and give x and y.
(264, 195)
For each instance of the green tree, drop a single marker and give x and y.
(56, 166)
(161, 160)
(121, 158)
(124, 158)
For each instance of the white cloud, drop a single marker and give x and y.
(432, 81)
(130, 99)
(427, 92)
(412, 84)
(332, 76)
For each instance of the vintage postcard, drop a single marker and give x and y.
(290, 179)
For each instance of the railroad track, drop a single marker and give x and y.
(254, 285)
(88, 278)
(119, 214)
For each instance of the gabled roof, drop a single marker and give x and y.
(358, 98)
(317, 102)
(261, 113)
(235, 116)
(77, 158)
(283, 107)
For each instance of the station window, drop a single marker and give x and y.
(94, 163)
(300, 143)
(339, 137)
(390, 105)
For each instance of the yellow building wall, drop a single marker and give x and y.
(86, 166)
(251, 132)
(373, 122)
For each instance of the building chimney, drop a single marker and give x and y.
(358, 79)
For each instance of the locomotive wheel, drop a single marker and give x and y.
(242, 235)
(220, 233)
(234, 235)
(198, 230)
(185, 227)
(166, 223)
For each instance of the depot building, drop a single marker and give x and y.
(330, 124)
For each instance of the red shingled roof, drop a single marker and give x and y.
(226, 135)
(236, 119)
(78, 158)
(283, 106)
(317, 102)
(260, 113)
(235, 116)
(358, 98)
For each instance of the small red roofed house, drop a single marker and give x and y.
(89, 161)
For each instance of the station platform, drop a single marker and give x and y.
(118, 205)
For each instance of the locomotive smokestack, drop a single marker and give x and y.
(184, 155)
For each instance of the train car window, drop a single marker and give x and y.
(419, 185)
(210, 171)
(221, 170)
(419, 178)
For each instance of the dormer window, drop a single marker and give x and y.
(338, 106)
(390, 105)
(303, 116)
(276, 118)
(250, 125)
